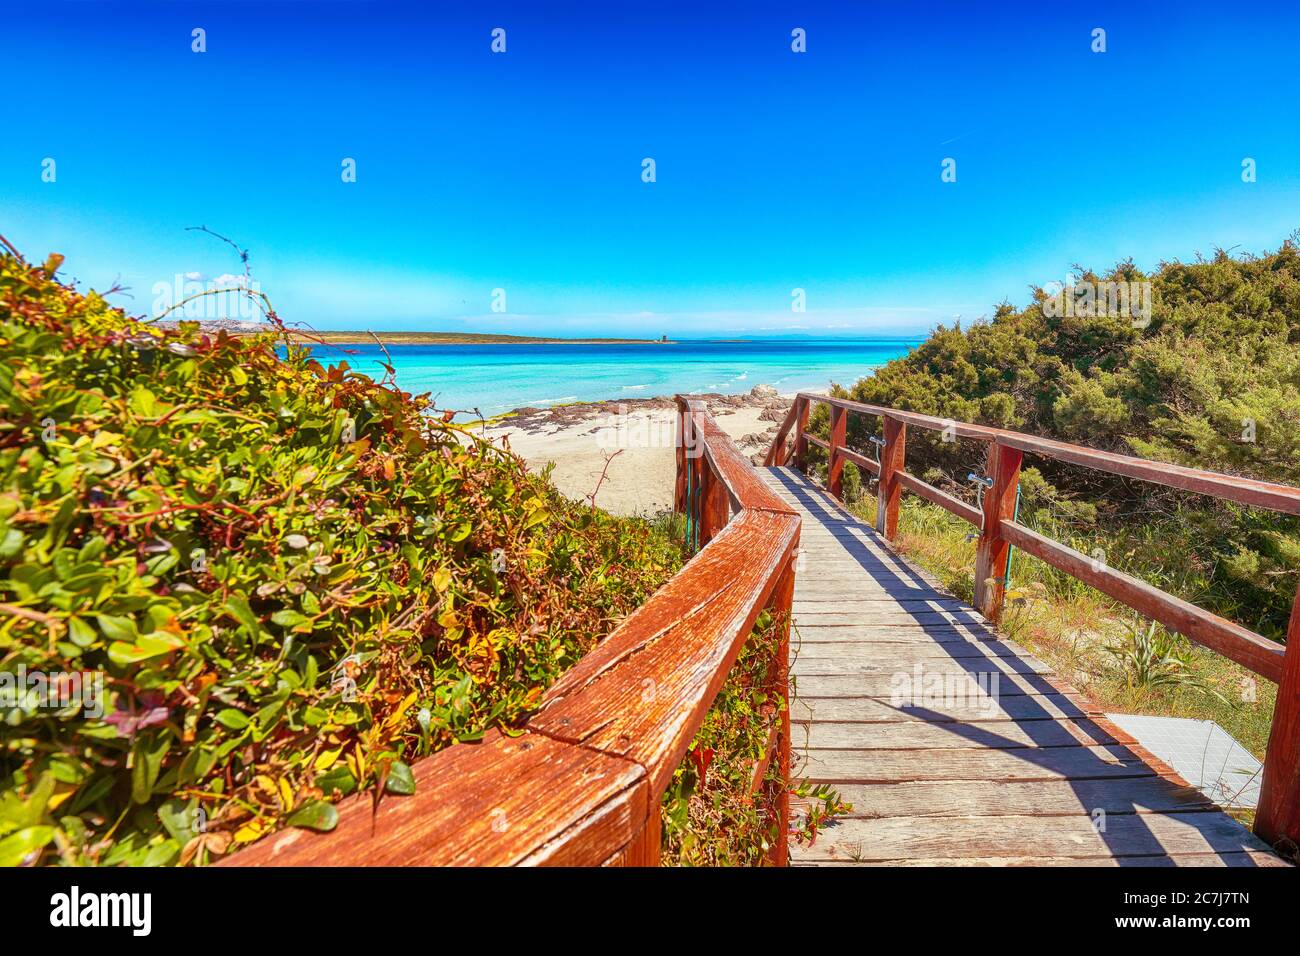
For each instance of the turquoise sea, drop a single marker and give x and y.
(498, 378)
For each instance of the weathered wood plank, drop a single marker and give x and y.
(1228, 638)
(869, 710)
(678, 669)
(884, 686)
(888, 615)
(1066, 836)
(825, 601)
(902, 664)
(921, 735)
(979, 763)
(1250, 858)
(504, 801)
(906, 653)
(895, 634)
(1042, 798)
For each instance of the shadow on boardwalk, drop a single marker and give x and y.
(1039, 747)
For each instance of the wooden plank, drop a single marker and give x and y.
(776, 451)
(745, 487)
(1063, 836)
(504, 801)
(822, 583)
(896, 633)
(672, 656)
(1041, 798)
(1278, 816)
(812, 439)
(921, 735)
(1250, 858)
(868, 602)
(905, 655)
(859, 459)
(1233, 641)
(881, 685)
(928, 422)
(865, 710)
(941, 498)
(1246, 491)
(909, 661)
(890, 615)
(1024, 764)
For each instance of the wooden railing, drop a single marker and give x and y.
(1278, 815)
(582, 782)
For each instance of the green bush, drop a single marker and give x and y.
(1212, 382)
(291, 580)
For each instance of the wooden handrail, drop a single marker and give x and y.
(582, 782)
(1278, 815)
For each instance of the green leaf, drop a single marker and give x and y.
(237, 607)
(15, 848)
(146, 646)
(289, 618)
(81, 633)
(338, 779)
(144, 403)
(117, 628)
(317, 815)
(400, 779)
(232, 719)
(147, 757)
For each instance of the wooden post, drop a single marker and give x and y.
(715, 505)
(835, 467)
(645, 846)
(696, 506)
(800, 428)
(1277, 818)
(782, 603)
(999, 505)
(890, 492)
(679, 490)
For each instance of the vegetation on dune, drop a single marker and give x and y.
(293, 581)
(1213, 381)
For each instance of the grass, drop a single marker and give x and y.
(1077, 630)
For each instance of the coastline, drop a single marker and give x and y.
(451, 338)
(630, 441)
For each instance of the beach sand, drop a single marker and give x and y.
(639, 435)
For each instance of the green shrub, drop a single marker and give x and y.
(291, 580)
(1212, 382)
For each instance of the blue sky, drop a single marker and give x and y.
(522, 171)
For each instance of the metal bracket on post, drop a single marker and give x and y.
(997, 504)
(890, 491)
(982, 483)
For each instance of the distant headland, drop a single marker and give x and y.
(366, 337)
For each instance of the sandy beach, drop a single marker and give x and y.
(631, 441)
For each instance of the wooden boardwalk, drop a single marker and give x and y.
(956, 747)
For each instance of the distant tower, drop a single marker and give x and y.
(664, 338)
